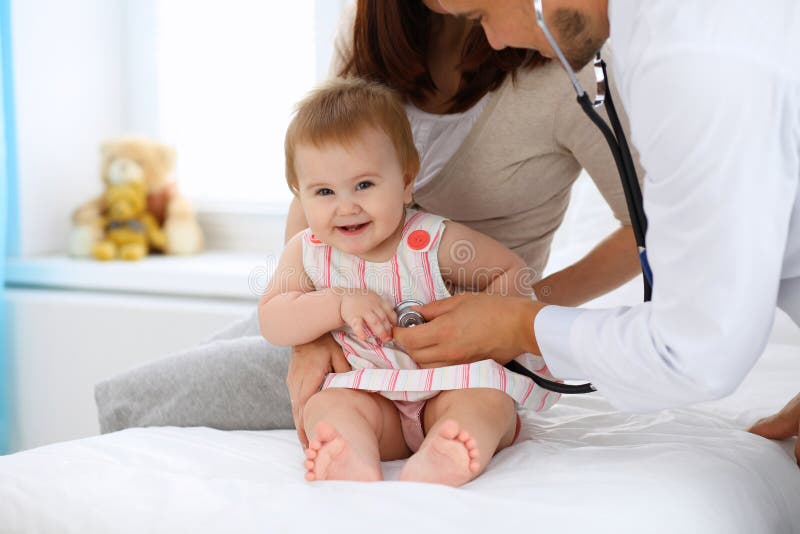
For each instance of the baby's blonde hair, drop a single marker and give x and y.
(339, 110)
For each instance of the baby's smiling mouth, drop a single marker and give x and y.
(353, 228)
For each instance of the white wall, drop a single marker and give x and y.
(68, 81)
(63, 342)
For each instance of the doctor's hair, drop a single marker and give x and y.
(391, 45)
(338, 112)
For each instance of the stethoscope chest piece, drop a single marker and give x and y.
(406, 317)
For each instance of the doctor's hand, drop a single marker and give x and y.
(471, 327)
(782, 425)
(308, 367)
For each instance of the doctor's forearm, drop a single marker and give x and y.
(607, 266)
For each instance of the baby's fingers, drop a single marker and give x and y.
(391, 316)
(359, 328)
(379, 325)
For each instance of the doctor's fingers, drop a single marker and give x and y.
(418, 337)
(443, 355)
(781, 425)
(438, 307)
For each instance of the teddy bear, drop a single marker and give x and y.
(131, 159)
(129, 230)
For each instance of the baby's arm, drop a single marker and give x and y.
(472, 261)
(291, 312)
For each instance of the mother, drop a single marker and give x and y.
(501, 142)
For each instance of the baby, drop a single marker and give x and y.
(351, 161)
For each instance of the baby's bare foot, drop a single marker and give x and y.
(447, 456)
(330, 457)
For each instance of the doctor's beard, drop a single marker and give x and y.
(575, 37)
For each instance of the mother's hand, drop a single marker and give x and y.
(471, 327)
(782, 425)
(308, 367)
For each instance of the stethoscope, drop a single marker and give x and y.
(630, 183)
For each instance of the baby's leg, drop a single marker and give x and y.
(349, 432)
(464, 428)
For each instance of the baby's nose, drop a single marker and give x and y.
(348, 207)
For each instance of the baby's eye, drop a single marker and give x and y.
(364, 185)
(324, 191)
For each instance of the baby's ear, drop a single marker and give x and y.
(408, 191)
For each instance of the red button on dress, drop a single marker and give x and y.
(418, 239)
(314, 239)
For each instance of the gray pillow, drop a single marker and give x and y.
(236, 381)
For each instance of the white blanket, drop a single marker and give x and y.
(578, 466)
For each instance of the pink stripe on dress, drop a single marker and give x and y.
(327, 266)
(378, 350)
(527, 393)
(359, 374)
(342, 341)
(398, 289)
(409, 222)
(393, 381)
(426, 268)
(544, 398)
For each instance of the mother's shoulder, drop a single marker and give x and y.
(550, 81)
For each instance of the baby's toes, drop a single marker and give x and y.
(449, 429)
(474, 466)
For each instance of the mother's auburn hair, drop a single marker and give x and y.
(390, 46)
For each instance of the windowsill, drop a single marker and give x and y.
(215, 274)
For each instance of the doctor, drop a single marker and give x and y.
(713, 93)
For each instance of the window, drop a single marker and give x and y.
(227, 78)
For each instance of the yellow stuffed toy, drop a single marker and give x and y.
(129, 230)
(131, 160)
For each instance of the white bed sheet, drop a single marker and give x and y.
(579, 466)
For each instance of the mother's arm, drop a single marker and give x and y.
(608, 265)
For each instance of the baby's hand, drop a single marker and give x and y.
(367, 314)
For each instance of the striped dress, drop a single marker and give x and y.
(412, 273)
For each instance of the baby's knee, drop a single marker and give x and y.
(492, 400)
(329, 398)
(497, 401)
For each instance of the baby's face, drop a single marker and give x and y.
(354, 196)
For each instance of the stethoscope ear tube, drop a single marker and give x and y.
(630, 182)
